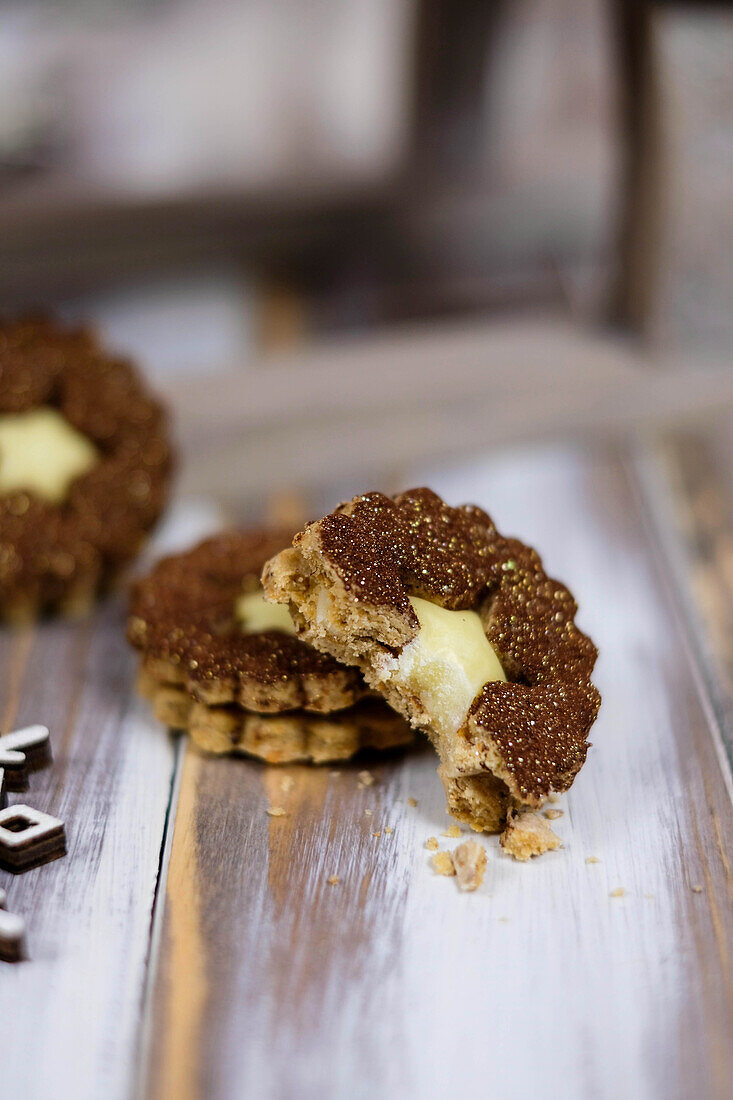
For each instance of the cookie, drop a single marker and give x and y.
(221, 663)
(85, 466)
(462, 632)
(200, 621)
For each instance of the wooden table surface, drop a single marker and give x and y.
(189, 945)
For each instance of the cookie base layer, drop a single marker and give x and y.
(290, 738)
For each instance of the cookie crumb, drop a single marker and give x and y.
(387, 829)
(276, 811)
(368, 813)
(527, 835)
(442, 863)
(619, 892)
(592, 859)
(412, 802)
(453, 832)
(333, 880)
(432, 843)
(469, 860)
(365, 779)
(552, 815)
(553, 797)
(377, 834)
(287, 783)
(697, 889)
(334, 775)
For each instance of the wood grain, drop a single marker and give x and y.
(273, 982)
(73, 1011)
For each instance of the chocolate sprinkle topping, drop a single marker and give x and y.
(385, 549)
(48, 551)
(184, 613)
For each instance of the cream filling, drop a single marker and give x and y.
(42, 453)
(254, 614)
(445, 665)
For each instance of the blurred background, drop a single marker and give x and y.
(345, 235)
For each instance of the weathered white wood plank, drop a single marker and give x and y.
(366, 406)
(71, 1014)
(273, 983)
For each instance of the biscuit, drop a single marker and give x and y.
(261, 692)
(183, 619)
(508, 706)
(85, 467)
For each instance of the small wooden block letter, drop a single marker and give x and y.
(29, 838)
(12, 934)
(22, 751)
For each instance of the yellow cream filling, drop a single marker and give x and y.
(255, 614)
(42, 453)
(446, 665)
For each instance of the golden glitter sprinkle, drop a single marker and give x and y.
(592, 859)
(388, 830)
(619, 892)
(365, 779)
(333, 880)
(276, 811)
(432, 843)
(453, 832)
(553, 814)
(442, 863)
(697, 889)
(368, 812)
(412, 802)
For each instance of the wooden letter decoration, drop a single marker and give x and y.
(29, 838)
(24, 751)
(12, 934)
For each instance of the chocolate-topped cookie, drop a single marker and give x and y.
(200, 620)
(461, 630)
(85, 466)
(220, 662)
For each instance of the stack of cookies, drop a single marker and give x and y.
(220, 662)
(390, 613)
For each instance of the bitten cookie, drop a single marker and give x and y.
(220, 662)
(461, 631)
(85, 466)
